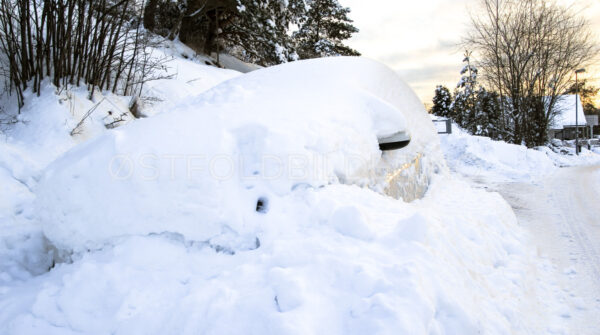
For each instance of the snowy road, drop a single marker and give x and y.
(562, 212)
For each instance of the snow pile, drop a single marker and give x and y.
(186, 75)
(42, 132)
(230, 62)
(478, 156)
(200, 170)
(483, 158)
(339, 259)
(566, 157)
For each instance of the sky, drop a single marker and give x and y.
(421, 39)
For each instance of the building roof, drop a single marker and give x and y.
(565, 112)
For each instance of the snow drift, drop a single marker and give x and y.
(200, 169)
(477, 156)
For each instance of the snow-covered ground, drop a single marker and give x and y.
(558, 207)
(561, 212)
(260, 203)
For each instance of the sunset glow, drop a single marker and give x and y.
(421, 39)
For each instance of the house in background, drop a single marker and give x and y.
(592, 121)
(563, 125)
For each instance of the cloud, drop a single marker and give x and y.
(439, 48)
(430, 73)
(424, 79)
(421, 39)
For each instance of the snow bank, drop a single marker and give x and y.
(566, 157)
(200, 170)
(185, 75)
(483, 158)
(230, 62)
(338, 260)
(42, 131)
(478, 156)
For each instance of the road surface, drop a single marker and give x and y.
(562, 212)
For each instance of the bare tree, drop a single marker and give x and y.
(528, 51)
(100, 43)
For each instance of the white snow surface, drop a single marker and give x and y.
(162, 246)
(185, 75)
(230, 62)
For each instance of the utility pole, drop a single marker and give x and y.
(576, 110)
(217, 36)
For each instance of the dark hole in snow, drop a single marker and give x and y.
(277, 304)
(207, 62)
(52, 266)
(262, 205)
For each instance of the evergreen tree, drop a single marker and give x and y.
(476, 110)
(259, 33)
(163, 17)
(323, 29)
(442, 101)
(487, 114)
(463, 108)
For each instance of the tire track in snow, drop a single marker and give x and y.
(561, 212)
(579, 197)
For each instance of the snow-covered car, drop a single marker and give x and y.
(200, 169)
